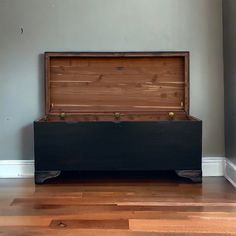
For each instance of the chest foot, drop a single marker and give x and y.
(194, 175)
(41, 176)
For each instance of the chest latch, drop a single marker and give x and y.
(117, 115)
(171, 115)
(62, 115)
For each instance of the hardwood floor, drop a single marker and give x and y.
(93, 204)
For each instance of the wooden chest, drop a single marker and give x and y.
(117, 112)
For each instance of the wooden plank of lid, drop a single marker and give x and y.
(115, 82)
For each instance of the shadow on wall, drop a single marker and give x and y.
(27, 133)
(27, 145)
(41, 90)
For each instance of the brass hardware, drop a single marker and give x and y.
(62, 115)
(117, 115)
(182, 104)
(171, 115)
(52, 105)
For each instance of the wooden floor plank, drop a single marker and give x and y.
(25, 220)
(120, 206)
(42, 231)
(184, 226)
(90, 224)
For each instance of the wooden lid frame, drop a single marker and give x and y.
(95, 82)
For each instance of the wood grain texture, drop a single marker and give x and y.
(110, 116)
(111, 82)
(134, 206)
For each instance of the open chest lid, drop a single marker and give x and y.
(117, 82)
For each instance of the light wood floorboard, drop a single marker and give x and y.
(117, 206)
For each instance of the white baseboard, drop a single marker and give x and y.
(211, 166)
(16, 168)
(230, 172)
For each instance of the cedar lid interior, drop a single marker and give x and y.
(116, 82)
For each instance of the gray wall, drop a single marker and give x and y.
(105, 25)
(229, 21)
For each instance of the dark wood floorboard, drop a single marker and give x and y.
(90, 204)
